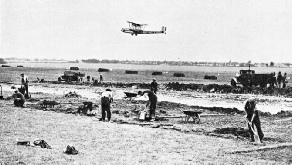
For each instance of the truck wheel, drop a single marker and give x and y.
(59, 79)
(233, 83)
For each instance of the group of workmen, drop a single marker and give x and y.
(252, 114)
(279, 79)
(21, 91)
(107, 98)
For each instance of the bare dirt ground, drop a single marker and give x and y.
(129, 141)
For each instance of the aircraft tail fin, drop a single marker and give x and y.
(163, 29)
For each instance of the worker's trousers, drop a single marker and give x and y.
(105, 108)
(153, 103)
(256, 122)
(26, 90)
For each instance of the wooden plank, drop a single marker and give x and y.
(213, 115)
(170, 116)
(201, 115)
(263, 148)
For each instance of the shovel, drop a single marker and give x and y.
(255, 132)
(1, 96)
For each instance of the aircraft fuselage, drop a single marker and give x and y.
(138, 31)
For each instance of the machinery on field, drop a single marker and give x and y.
(71, 76)
(248, 78)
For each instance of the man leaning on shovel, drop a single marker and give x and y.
(253, 120)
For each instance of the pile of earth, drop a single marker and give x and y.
(107, 84)
(216, 88)
(239, 133)
(236, 132)
(210, 88)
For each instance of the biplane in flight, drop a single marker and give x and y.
(135, 29)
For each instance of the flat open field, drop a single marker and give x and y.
(221, 137)
(193, 74)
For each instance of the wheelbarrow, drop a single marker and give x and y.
(195, 115)
(130, 95)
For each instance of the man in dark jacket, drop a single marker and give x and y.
(24, 82)
(252, 116)
(154, 86)
(19, 99)
(152, 100)
(279, 79)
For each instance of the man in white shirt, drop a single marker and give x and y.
(24, 82)
(20, 88)
(106, 99)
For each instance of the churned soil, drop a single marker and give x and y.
(126, 140)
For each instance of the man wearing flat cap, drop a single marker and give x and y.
(24, 82)
(154, 86)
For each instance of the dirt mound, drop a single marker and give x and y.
(233, 131)
(72, 94)
(284, 114)
(239, 133)
(211, 88)
(216, 88)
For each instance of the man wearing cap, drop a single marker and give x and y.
(252, 116)
(24, 82)
(18, 99)
(106, 99)
(154, 86)
(152, 100)
(20, 88)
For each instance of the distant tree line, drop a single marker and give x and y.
(2, 61)
(188, 63)
(31, 60)
(179, 63)
(100, 61)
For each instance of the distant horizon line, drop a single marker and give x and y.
(114, 60)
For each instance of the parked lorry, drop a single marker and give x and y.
(71, 76)
(248, 78)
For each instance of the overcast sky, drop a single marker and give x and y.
(197, 30)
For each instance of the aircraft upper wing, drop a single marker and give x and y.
(136, 24)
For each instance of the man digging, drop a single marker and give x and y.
(253, 119)
(19, 99)
(152, 100)
(106, 99)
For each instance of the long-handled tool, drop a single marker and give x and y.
(255, 132)
(1, 96)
